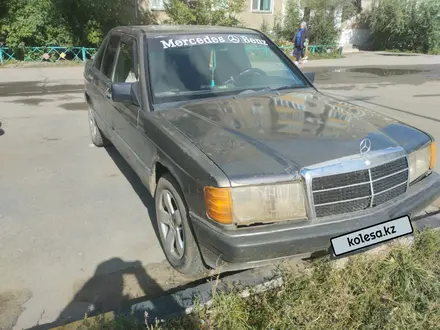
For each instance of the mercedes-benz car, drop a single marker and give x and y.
(248, 163)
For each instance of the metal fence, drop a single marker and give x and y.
(46, 54)
(60, 53)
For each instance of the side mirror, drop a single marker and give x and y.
(126, 93)
(310, 76)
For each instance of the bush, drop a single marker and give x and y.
(412, 25)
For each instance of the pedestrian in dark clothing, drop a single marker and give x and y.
(299, 42)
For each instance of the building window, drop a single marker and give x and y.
(157, 4)
(261, 5)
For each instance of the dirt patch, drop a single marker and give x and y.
(11, 306)
(73, 106)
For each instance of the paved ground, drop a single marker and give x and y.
(75, 220)
(68, 211)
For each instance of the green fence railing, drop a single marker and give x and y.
(46, 54)
(64, 53)
(318, 48)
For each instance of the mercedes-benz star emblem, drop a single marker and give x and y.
(365, 146)
(234, 39)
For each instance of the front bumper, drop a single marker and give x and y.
(252, 246)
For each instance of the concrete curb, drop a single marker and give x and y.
(249, 282)
(183, 302)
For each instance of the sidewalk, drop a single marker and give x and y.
(375, 59)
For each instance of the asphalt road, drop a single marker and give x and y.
(68, 211)
(75, 228)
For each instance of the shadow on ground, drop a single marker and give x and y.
(106, 291)
(37, 88)
(1, 130)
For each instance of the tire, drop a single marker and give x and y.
(96, 134)
(181, 249)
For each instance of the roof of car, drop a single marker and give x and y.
(156, 30)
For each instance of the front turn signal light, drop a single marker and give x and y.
(433, 151)
(218, 204)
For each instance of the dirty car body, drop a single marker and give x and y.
(247, 161)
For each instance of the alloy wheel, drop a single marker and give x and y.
(92, 123)
(171, 225)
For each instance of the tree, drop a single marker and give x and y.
(321, 22)
(292, 20)
(204, 12)
(66, 22)
(319, 16)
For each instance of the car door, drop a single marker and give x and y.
(126, 116)
(103, 81)
(91, 77)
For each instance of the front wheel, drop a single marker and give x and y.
(175, 234)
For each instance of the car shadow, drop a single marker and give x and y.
(1, 130)
(106, 291)
(136, 184)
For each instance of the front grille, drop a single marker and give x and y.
(359, 190)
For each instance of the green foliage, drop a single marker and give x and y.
(406, 24)
(292, 20)
(204, 12)
(321, 25)
(319, 16)
(66, 22)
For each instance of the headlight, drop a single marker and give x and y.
(421, 161)
(255, 204)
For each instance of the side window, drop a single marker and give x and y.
(125, 70)
(109, 56)
(99, 54)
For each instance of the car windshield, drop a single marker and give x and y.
(190, 67)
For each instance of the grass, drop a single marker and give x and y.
(322, 56)
(396, 290)
(311, 56)
(430, 52)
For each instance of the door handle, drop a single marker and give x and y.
(108, 93)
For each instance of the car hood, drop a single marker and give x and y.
(265, 138)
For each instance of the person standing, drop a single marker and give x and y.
(300, 42)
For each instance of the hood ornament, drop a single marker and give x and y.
(365, 146)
